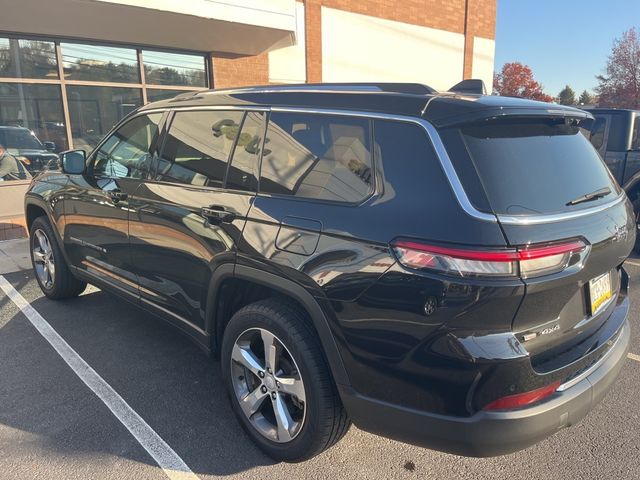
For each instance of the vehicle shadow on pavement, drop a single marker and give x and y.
(164, 377)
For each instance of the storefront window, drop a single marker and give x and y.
(99, 63)
(27, 59)
(103, 84)
(162, 68)
(94, 110)
(31, 128)
(155, 94)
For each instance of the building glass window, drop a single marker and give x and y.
(197, 147)
(99, 63)
(317, 156)
(27, 59)
(156, 94)
(94, 110)
(105, 84)
(32, 124)
(162, 68)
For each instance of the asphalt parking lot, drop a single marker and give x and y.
(53, 426)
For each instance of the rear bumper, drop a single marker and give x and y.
(488, 434)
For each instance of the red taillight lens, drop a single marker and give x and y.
(528, 261)
(523, 399)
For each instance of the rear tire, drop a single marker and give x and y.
(49, 265)
(314, 411)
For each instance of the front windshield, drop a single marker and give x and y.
(19, 138)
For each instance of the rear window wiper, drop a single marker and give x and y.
(602, 192)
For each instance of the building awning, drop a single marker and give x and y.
(232, 27)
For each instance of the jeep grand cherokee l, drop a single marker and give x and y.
(443, 269)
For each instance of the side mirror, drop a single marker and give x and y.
(50, 146)
(73, 161)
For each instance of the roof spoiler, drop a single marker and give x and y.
(473, 86)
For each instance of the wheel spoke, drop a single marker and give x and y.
(252, 402)
(247, 359)
(46, 277)
(292, 386)
(283, 419)
(43, 241)
(51, 268)
(38, 256)
(270, 350)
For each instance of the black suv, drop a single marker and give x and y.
(443, 269)
(615, 134)
(28, 149)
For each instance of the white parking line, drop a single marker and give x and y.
(633, 356)
(631, 262)
(172, 465)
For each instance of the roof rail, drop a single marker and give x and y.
(406, 88)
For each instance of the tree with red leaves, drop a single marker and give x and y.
(516, 80)
(620, 87)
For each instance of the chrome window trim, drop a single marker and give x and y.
(441, 152)
(178, 108)
(558, 217)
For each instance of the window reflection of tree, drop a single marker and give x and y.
(128, 147)
(244, 166)
(198, 146)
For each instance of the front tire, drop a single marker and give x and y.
(279, 382)
(49, 265)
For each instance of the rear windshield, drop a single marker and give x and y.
(529, 166)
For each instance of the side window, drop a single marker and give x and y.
(243, 173)
(635, 141)
(197, 147)
(597, 132)
(319, 156)
(127, 153)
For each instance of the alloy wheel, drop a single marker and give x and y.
(268, 385)
(43, 259)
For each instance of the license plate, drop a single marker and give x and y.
(599, 292)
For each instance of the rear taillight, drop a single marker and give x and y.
(523, 399)
(528, 261)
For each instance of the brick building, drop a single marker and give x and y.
(69, 73)
(438, 42)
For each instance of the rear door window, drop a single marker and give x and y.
(197, 147)
(529, 167)
(325, 157)
(243, 171)
(635, 137)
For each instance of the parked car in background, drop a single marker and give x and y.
(614, 133)
(22, 143)
(442, 269)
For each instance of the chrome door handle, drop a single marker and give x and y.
(217, 213)
(117, 196)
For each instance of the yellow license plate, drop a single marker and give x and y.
(599, 292)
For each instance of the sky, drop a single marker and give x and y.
(563, 41)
